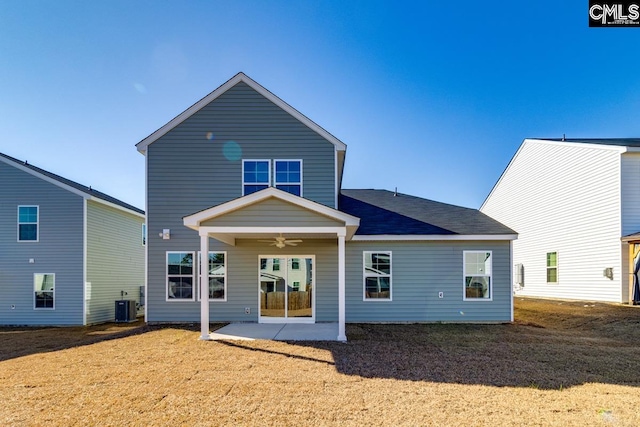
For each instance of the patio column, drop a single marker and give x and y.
(341, 286)
(204, 286)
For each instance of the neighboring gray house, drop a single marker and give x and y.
(67, 252)
(246, 178)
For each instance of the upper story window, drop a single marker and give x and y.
(144, 234)
(478, 270)
(256, 175)
(288, 176)
(28, 223)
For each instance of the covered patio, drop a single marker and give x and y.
(277, 332)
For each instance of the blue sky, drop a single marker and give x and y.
(430, 97)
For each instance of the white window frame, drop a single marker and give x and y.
(193, 277)
(366, 274)
(37, 223)
(275, 181)
(546, 270)
(464, 275)
(144, 234)
(226, 266)
(269, 179)
(53, 290)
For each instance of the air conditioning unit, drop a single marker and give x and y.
(125, 310)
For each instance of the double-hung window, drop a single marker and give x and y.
(44, 291)
(256, 175)
(180, 276)
(552, 267)
(478, 270)
(28, 223)
(288, 176)
(217, 276)
(377, 275)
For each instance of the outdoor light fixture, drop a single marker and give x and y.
(166, 234)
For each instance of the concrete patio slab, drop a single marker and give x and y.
(277, 331)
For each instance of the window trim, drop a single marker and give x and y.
(365, 275)
(275, 181)
(464, 276)
(547, 267)
(37, 224)
(53, 291)
(226, 275)
(193, 277)
(269, 180)
(144, 234)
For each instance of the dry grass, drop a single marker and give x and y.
(558, 364)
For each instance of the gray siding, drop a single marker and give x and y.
(273, 212)
(187, 170)
(420, 271)
(242, 282)
(59, 250)
(115, 259)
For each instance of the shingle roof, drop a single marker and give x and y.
(620, 142)
(83, 188)
(382, 212)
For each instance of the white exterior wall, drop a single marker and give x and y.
(564, 198)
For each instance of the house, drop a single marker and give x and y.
(67, 251)
(573, 201)
(243, 176)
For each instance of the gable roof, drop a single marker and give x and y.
(240, 77)
(67, 184)
(383, 212)
(618, 142)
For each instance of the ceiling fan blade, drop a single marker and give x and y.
(290, 244)
(265, 241)
(295, 241)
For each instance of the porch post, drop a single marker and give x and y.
(204, 286)
(341, 286)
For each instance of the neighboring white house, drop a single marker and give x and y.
(572, 201)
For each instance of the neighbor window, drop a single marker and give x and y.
(276, 264)
(477, 275)
(144, 234)
(180, 277)
(377, 275)
(255, 175)
(552, 267)
(28, 223)
(44, 291)
(217, 276)
(295, 263)
(288, 176)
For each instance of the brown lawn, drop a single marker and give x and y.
(559, 364)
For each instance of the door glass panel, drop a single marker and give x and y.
(272, 287)
(299, 291)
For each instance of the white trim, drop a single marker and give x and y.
(432, 237)
(335, 178)
(37, 224)
(511, 292)
(204, 302)
(286, 319)
(275, 181)
(84, 261)
(365, 275)
(193, 277)
(33, 290)
(268, 183)
(240, 77)
(200, 270)
(342, 336)
(464, 276)
(146, 249)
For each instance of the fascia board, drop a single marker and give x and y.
(434, 237)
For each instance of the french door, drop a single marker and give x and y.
(286, 288)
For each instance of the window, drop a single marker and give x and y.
(180, 276)
(295, 263)
(552, 267)
(276, 264)
(477, 275)
(27, 223)
(255, 175)
(44, 293)
(217, 276)
(144, 234)
(296, 286)
(377, 275)
(288, 176)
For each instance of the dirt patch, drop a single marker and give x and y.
(559, 363)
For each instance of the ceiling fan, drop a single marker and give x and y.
(280, 242)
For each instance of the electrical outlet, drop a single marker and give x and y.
(247, 310)
(440, 294)
(13, 306)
